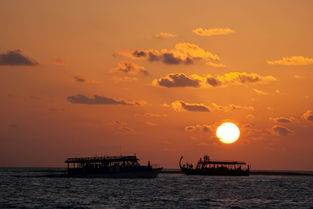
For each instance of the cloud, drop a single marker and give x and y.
(230, 107)
(16, 58)
(292, 61)
(155, 115)
(282, 119)
(149, 123)
(183, 53)
(238, 78)
(232, 78)
(212, 31)
(13, 125)
(59, 61)
(82, 99)
(199, 127)
(79, 79)
(177, 80)
(120, 127)
(184, 106)
(280, 130)
(298, 76)
(179, 105)
(308, 115)
(260, 92)
(163, 35)
(129, 68)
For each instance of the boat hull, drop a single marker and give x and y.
(214, 172)
(153, 173)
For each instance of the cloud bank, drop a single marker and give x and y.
(234, 78)
(96, 100)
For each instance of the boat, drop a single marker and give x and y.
(207, 167)
(110, 167)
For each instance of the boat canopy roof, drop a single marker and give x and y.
(223, 162)
(121, 158)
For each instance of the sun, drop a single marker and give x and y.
(228, 132)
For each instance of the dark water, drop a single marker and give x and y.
(20, 188)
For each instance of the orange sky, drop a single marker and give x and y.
(155, 78)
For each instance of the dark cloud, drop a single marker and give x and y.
(177, 80)
(281, 130)
(308, 115)
(129, 68)
(82, 99)
(199, 127)
(79, 79)
(213, 82)
(181, 105)
(16, 58)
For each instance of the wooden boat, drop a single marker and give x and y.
(110, 167)
(215, 168)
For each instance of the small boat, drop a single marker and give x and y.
(110, 167)
(207, 167)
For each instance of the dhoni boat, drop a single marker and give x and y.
(207, 167)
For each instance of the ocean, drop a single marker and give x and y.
(28, 188)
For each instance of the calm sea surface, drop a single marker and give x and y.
(20, 188)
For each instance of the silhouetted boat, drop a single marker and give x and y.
(215, 168)
(110, 167)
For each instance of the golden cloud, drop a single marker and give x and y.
(233, 78)
(184, 106)
(212, 31)
(292, 61)
(308, 115)
(183, 53)
(260, 92)
(230, 107)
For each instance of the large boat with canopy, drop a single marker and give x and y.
(110, 167)
(208, 167)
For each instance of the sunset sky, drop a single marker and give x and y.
(156, 78)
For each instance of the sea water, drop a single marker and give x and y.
(25, 188)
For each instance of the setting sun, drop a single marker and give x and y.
(228, 132)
